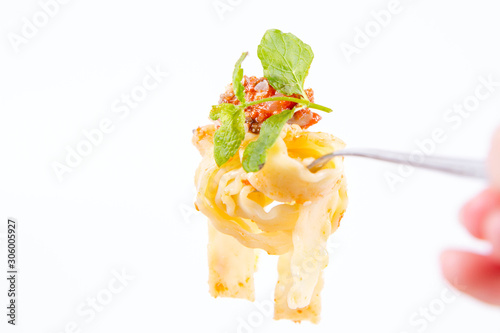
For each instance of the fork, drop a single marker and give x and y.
(456, 166)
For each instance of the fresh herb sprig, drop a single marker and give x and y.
(255, 153)
(286, 61)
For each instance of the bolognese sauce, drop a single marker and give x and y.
(259, 88)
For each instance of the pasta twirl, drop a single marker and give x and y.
(306, 209)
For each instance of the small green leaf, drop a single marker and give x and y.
(228, 137)
(255, 154)
(217, 109)
(286, 61)
(238, 88)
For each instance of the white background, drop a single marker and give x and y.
(128, 205)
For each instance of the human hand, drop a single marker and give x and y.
(475, 274)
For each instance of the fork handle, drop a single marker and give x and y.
(461, 167)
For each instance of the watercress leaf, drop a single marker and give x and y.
(238, 88)
(255, 154)
(228, 137)
(286, 61)
(216, 110)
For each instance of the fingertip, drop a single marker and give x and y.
(494, 160)
(451, 267)
(492, 233)
(474, 212)
(474, 274)
(469, 216)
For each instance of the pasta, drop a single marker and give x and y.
(254, 186)
(308, 209)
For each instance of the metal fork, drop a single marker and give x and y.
(461, 167)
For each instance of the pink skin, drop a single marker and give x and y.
(474, 274)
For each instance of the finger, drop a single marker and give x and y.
(477, 210)
(494, 161)
(473, 274)
(491, 231)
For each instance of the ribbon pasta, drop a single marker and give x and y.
(283, 209)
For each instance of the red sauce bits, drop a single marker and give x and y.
(258, 88)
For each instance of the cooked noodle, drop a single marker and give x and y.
(283, 209)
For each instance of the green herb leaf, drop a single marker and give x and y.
(228, 137)
(217, 109)
(238, 88)
(255, 154)
(286, 61)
